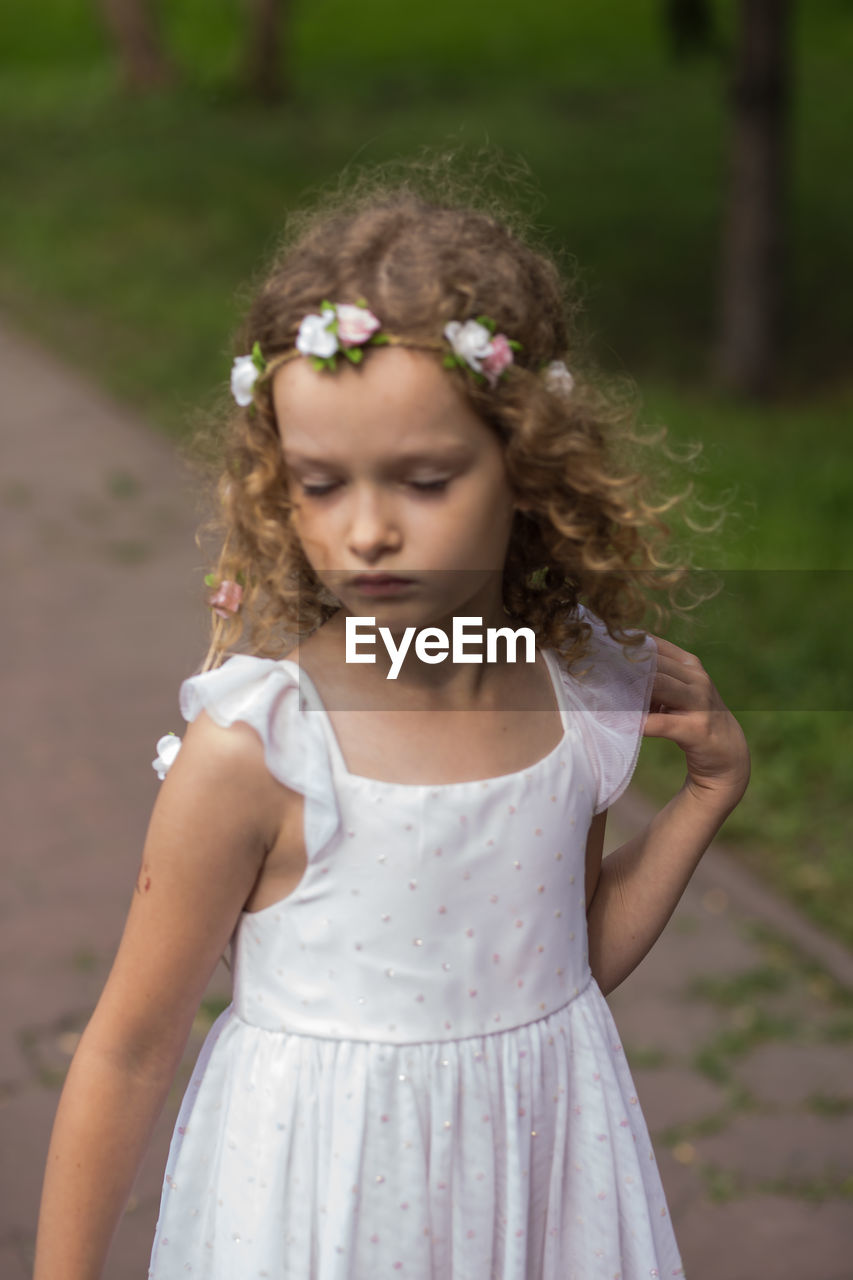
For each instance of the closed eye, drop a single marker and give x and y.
(317, 490)
(421, 486)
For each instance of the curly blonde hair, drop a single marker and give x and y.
(592, 532)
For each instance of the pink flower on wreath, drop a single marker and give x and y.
(498, 358)
(226, 598)
(355, 324)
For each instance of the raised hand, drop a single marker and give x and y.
(686, 707)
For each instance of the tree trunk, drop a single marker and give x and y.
(752, 251)
(265, 77)
(132, 27)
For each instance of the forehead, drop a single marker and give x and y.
(396, 401)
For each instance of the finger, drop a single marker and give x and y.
(661, 725)
(672, 692)
(676, 669)
(666, 648)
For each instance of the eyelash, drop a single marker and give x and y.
(423, 486)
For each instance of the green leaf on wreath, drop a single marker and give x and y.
(210, 579)
(258, 358)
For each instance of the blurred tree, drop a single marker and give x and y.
(265, 76)
(753, 237)
(690, 27)
(133, 29)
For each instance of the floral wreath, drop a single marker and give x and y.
(342, 330)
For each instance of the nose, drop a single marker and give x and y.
(373, 529)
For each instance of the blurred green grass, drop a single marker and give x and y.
(131, 229)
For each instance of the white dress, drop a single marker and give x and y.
(418, 1077)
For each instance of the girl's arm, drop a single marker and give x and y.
(639, 885)
(211, 826)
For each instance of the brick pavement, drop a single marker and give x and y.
(737, 1031)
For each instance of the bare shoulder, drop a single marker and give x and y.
(220, 746)
(224, 768)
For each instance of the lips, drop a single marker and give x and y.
(376, 586)
(377, 580)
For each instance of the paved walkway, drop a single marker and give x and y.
(740, 1042)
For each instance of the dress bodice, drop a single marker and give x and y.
(434, 912)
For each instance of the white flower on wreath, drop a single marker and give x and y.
(167, 749)
(316, 337)
(244, 373)
(471, 341)
(558, 378)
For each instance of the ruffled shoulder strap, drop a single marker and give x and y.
(269, 696)
(610, 687)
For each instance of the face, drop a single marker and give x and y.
(393, 473)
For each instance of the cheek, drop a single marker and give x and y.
(489, 513)
(476, 532)
(309, 532)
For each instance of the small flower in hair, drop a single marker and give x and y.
(356, 325)
(558, 378)
(167, 748)
(244, 375)
(227, 597)
(340, 328)
(476, 344)
(500, 357)
(317, 336)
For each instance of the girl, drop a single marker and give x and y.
(418, 1075)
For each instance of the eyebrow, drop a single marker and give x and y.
(446, 453)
